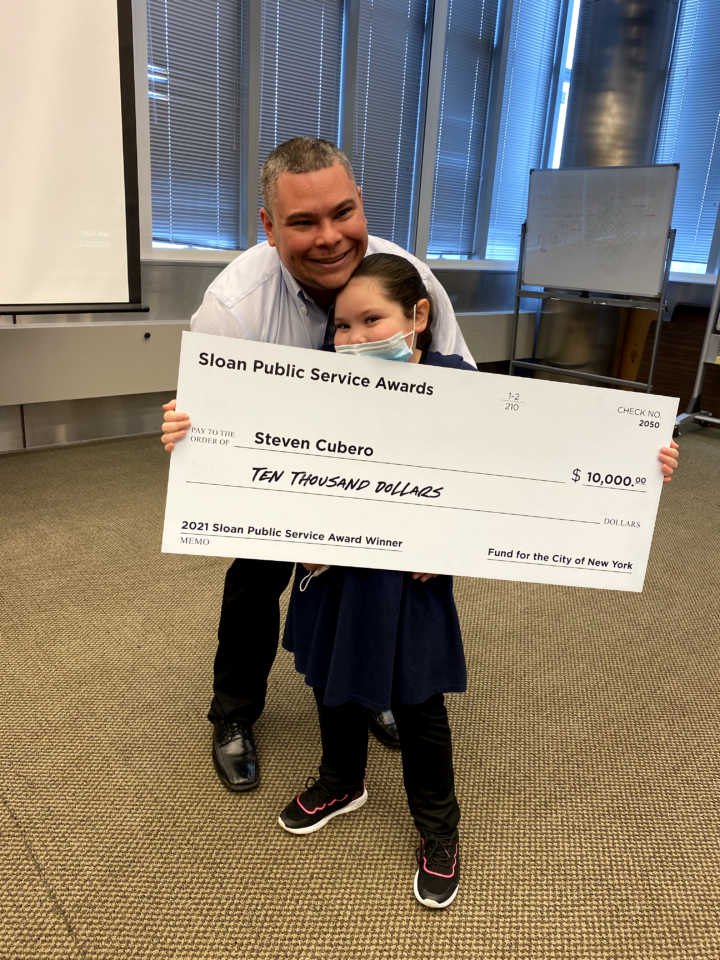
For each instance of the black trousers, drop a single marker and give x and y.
(247, 638)
(426, 746)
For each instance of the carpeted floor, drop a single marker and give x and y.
(587, 748)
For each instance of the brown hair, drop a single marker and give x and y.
(401, 283)
(299, 155)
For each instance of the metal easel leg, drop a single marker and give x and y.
(693, 410)
(661, 309)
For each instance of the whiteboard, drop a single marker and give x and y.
(600, 229)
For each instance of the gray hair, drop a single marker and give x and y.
(299, 155)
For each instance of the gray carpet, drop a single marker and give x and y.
(587, 753)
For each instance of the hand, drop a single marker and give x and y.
(668, 457)
(174, 427)
(313, 566)
(424, 577)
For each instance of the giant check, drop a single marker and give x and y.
(308, 456)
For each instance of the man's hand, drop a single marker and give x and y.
(313, 566)
(175, 426)
(424, 577)
(668, 457)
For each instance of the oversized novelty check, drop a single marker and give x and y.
(309, 456)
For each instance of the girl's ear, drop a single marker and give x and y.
(422, 310)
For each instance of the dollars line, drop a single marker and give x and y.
(615, 481)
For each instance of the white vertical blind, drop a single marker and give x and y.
(690, 128)
(533, 38)
(461, 129)
(194, 89)
(301, 51)
(389, 73)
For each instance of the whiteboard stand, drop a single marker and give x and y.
(611, 299)
(710, 353)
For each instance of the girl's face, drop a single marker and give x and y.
(364, 314)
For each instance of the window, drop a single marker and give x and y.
(301, 46)
(690, 131)
(391, 49)
(531, 55)
(461, 127)
(203, 189)
(194, 94)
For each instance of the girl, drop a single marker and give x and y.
(382, 639)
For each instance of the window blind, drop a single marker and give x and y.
(194, 90)
(531, 54)
(690, 128)
(301, 52)
(389, 72)
(461, 133)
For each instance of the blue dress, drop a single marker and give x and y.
(369, 636)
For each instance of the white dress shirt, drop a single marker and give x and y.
(256, 298)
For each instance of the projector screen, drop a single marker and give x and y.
(69, 231)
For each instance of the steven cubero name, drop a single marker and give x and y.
(322, 445)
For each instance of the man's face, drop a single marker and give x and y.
(319, 229)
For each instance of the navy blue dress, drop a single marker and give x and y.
(369, 636)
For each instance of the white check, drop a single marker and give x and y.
(308, 456)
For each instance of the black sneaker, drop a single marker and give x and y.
(317, 805)
(436, 882)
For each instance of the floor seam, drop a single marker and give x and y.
(54, 900)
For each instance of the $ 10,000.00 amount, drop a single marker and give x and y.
(607, 480)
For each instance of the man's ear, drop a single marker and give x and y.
(359, 190)
(267, 226)
(422, 310)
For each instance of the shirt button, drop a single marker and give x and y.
(304, 309)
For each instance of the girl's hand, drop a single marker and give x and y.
(668, 457)
(424, 577)
(313, 566)
(174, 427)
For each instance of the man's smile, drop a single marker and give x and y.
(329, 261)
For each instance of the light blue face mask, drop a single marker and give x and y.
(394, 348)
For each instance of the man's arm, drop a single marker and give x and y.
(447, 337)
(214, 318)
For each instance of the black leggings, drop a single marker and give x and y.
(426, 746)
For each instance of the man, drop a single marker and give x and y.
(280, 292)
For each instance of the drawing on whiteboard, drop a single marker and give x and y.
(602, 229)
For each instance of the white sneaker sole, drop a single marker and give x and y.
(355, 805)
(433, 903)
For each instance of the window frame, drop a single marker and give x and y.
(426, 153)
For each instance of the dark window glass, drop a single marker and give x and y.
(461, 131)
(389, 74)
(194, 90)
(533, 38)
(301, 52)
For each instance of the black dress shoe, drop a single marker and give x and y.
(234, 755)
(382, 724)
